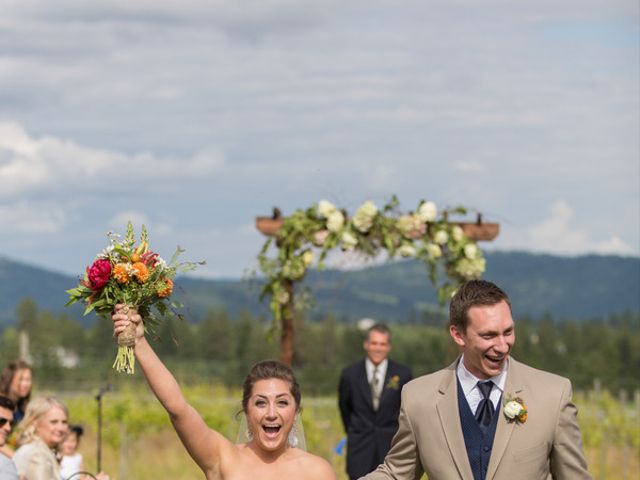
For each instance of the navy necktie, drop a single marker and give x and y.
(485, 409)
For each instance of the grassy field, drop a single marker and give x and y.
(139, 443)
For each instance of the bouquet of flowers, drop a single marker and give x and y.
(132, 275)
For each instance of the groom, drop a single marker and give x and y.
(486, 416)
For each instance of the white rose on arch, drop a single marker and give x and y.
(441, 237)
(457, 233)
(427, 211)
(325, 208)
(470, 251)
(407, 250)
(434, 250)
(349, 242)
(363, 219)
(335, 221)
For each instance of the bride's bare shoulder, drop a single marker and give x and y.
(316, 467)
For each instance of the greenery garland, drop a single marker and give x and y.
(424, 234)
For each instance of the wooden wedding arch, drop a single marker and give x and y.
(447, 248)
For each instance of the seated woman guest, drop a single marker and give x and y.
(270, 401)
(16, 383)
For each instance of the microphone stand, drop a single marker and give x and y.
(101, 392)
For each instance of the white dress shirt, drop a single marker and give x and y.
(469, 383)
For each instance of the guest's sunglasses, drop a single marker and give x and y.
(4, 421)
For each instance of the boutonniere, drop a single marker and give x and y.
(394, 382)
(515, 409)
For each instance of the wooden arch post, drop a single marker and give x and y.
(269, 226)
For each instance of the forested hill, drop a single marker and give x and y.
(565, 287)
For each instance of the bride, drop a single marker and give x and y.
(270, 401)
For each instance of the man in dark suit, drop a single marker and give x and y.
(369, 400)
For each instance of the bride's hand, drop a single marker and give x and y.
(122, 319)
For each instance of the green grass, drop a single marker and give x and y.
(139, 442)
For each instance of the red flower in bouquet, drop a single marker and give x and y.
(99, 274)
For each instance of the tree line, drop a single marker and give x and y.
(222, 348)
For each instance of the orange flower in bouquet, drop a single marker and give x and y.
(133, 275)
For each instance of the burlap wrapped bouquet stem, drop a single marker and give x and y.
(125, 359)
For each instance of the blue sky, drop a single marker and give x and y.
(193, 117)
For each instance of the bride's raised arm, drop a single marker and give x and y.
(206, 446)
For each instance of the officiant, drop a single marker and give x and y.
(369, 401)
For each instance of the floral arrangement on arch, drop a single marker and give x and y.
(134, 275)
(425, 234)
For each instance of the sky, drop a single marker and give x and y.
(194, 117)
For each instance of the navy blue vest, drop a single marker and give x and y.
(478, 444)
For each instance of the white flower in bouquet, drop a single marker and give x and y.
(427, 211)
(307, 258)
(161, 263)
(335, 221)
(363, 219)
(441, 237)
(470, 251)
(434, 250)
(325, 208)
(457, 233)
(349, 242)
(407, 250)
(106, 252)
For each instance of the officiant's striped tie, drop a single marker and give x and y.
(375, 391)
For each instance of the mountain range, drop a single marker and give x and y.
(583, 287)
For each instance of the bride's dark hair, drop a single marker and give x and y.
(266, 370)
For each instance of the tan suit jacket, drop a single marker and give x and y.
(430, 438)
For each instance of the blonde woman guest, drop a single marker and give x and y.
(270, 401)
(44, 427)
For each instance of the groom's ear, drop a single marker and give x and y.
(457, 335)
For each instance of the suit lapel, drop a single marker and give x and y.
(449, 415)
(513, 387)
(390, 373)
(363, 384)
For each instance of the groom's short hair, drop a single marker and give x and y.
(470, 294)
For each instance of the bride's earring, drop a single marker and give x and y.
(249, 434)
(293, 434)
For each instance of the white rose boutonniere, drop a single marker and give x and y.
(514, 409)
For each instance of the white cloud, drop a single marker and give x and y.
(468, 166)
(31, 218)
(51, 164)
(558, 234)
